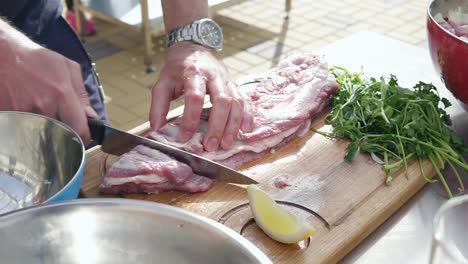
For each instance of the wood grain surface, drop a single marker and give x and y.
(344, 201)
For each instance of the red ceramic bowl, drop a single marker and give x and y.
(449, 53)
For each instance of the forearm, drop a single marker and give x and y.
(178, 13)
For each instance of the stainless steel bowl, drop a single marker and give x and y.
(41, 160)
(119, 231)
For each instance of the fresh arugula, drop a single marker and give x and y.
(395, 124)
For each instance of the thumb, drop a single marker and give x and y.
(91, 113)
(79, 89)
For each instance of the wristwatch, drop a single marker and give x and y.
(205, 32)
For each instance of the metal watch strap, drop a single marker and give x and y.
(182, 34)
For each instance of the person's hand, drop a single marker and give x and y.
(35, 79)
(193, 71)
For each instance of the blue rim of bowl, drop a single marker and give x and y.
(244, 242)
(80, 141)
(429, 13)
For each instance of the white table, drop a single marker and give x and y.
(406, 236)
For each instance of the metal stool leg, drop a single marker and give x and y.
(147, 36)
(287, 8)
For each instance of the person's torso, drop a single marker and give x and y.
(11, 9)
(30, 16)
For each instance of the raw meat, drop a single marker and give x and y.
(282, 104)
(195, 184)
(195, 144)
(147, 170)
(289, 96)
(281, 182)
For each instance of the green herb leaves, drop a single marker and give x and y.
(395, 123)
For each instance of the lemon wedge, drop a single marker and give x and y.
(274, 220)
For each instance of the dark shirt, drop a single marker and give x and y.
(9, 9)
(32, 17)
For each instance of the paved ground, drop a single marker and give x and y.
(257, 36)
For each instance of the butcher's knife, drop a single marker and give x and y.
(118, 142)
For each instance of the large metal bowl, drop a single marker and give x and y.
(449, 53)
(119, 231)
(41, 160)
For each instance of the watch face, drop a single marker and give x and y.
(211, 34)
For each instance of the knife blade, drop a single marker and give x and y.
(118, 142)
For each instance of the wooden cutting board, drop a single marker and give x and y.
(344, 201)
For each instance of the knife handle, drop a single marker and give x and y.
(97, 129)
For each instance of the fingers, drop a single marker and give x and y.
(90, 113)
(71, 112)
(195, 90)
(80, 91)
(178, 90)
(221, 99)
(45, 105)
(235, 117)
(161, 96)
(247, 119)
(77, 82)
(75, 107)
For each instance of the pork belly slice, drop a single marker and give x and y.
(152, 164)
(168, 135)
(290, 94)
(283, 104)
(194, 184)
(148, 170)
(220, 155)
